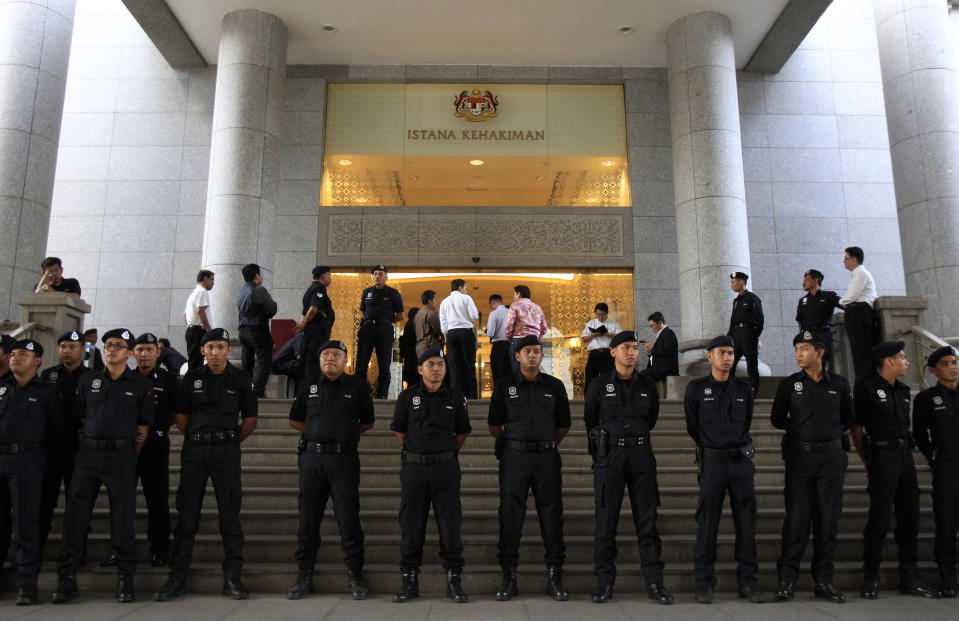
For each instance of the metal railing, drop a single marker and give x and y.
(925, 343)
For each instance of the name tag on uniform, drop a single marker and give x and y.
(230, 392)
(547, 395)
(643, 394)
(129, 394)
(348, 396)
(832, 392)
(32, 399)
(449, 407)
(739, 399)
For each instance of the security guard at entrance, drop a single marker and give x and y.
(317, 320)
(719, 412)
(884, 444)
(209, 400)
(622, 407)
(331, 410)
(815, 408)
(529, 417)
(431, 423)
(745, 326)
(116, 408)
(814, 311)
(26, 407)
(382, 306)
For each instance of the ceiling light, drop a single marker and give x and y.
(476, 162)
(345, 162)
(414, 178)
(625, 29)
(609, 163)
(592, 199)
(329, 28)
(360, 199)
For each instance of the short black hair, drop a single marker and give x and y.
(856, 253)
(815, 274)
(456, 283)
(50, 261)
(250, 271)
(601, 306)
(427, 295)
(203, 274)
(522, 290)
(656, 317)
(496, 298)
(164, 342)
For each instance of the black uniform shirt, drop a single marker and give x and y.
(317, 296)
(530, 411)
(814, 411)
(883, 409)
(719, 414)
(213, 401)
(430, 420)
(164, 396)
(171, 360)
(748, 310)
(935, 422)
(24, 411)
(64, 422)
(112, 409)
(6, 376)
(814, 312)
(627, 407)
(381, 304)
(333, 410)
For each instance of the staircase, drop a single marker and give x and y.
(270, 516)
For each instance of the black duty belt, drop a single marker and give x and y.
(742, 324)
(746, 451)
(376, 322)
(334, 448)
(212, 437)
(531, 446)
(18, 447)
(430, 458)
(107, 445)
(890, 444)
(815, 447)
(628, 441)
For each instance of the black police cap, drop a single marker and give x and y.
(379, 267)
(808, 337)
(886, 349)
(333, 345)
(71, 336)
(147, 338)
(435, 352)
(526, 341)
(119, 333)
(28, 345)
(743, 276)
(626, 336)
(216, 334)
(6, 343)
(319, 270)
(939, 354)
(720, 341)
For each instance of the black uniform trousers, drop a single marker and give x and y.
(378, 336)
(221, 463)
(314, 338)
(461, 355)
(257, 345)
(153, 470)
(421, 485)
(323, 476)
(518, 472)
(193, 336)
(116, 469)
(719, 475)
(499, 363)
(893, 487)
(861, 334)
(21, 477)
(635, 469)
(813, 494)
(945, 506)
(746, 343)
(597, 362)
(61, 452)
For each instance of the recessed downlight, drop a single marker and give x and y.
(476, 162)
(345, 162)
(360, 199)
(609, 163)
(592, 199)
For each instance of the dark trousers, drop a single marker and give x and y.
(461, 355)
(314, 338)
(116, 469)
(61, 451)
(323, 476)
(893, 487)
(813, 494)
(518, 473)
(221, 464)
(257, 344)
(719, 475)
(499, 360)
(861, 334)
(153, 470)
(421, 485)
(945, 505)
(633, 469)
(193, 336)
(746, 343)
(21, 477)
(597, 362)
(377, 336)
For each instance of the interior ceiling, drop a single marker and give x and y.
(493, 32)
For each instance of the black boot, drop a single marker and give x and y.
(27, 595)
(125, 593)
(454, 586)
(411, 586)
(303, 585)
(947, 582)
(358, 587)
(910, 582)
(554, 583)
(66, 590)
(508, 589)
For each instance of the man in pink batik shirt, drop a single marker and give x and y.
(524, 318)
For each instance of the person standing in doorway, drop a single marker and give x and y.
(457, 315)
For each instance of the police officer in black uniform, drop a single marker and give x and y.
(622, 407)
(6, 346)
(935, 426)
(529, 417)
(316, 324)
(431, 423)
(381, 306)
(210, 398)
(116, 408)
(331, 410)
(814, 311)
(815, 408)
(26, 406)
(884, 444)
(719, 412)
(745, 326)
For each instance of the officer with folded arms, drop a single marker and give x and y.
(815, 408)
(210, 400)
(719, 412)
(431, 423)
(331, 410)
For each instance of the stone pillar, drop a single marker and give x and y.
(51, 314)
(707, 175)
(35, 40)
(921, 93)
(244, 156)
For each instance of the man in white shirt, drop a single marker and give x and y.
(597, 335)
(499, 362)
(196, 317)
(859, 319)
(457, 314)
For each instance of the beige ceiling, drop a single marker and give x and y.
(485, 32)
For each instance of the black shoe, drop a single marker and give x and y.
(158, 559)
(658, 592)
(554, 583)
(124, 592)
(507, 589)
(411, 586)
(947, 586)
(828, 592)
(910, 582)
(869, 588)
(358, 587)
(454, 586)
(171, 589)
(603, 594)
(302, 587)
(234, 589)
(704, 595)
(66, 590)
(753, 594)
(786, 591)
(27, 595)
(110, 561)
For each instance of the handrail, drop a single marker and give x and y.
(925, 336)
(23, 329)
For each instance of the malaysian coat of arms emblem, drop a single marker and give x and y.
(476, 105)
